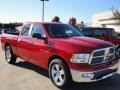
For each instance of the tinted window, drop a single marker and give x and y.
(37, 30)
(99, 32)
(112, 33)
(26, 29)
(61, 30)
(87, 32)
(10, 31)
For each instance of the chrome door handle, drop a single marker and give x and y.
(31, 42)
(19, 40)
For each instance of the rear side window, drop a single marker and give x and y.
(26, 29)
(87, 32)
(99, 32)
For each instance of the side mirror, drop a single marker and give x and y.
(38, 36)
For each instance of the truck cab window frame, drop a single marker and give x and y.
(38, 30)
(26, 30)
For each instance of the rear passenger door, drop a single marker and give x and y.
(24, 42)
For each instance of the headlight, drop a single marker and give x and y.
(80, 58)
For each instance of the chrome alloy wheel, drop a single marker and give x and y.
(8, 54)
(58, 74)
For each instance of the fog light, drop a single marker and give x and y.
(88, 75)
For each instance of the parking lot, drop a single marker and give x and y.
(26, 76)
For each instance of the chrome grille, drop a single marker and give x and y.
(112, 50)
(102, 55)
(99, 53)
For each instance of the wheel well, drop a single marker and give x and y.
(57, 57)
(7, 44)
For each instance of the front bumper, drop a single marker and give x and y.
(93, 76)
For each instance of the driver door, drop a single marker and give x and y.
(38, 50)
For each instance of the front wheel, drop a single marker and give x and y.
(59, 74)
(9, 55)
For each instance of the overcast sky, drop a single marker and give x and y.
(31, 10)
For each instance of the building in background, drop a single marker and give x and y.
(106, 20)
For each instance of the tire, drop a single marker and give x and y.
(60, 74)
(118, 53)
(9, 55)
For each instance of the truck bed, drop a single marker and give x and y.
(10, 39)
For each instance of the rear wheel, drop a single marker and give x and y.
(10, 57)
(59, 74)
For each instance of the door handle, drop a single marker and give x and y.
(19, 40)
(31, 42)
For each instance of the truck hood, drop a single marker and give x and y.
(81, 44)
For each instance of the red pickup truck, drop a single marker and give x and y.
(63, 51)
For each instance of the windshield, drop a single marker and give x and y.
(62, 30)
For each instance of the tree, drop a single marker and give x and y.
(11, 25)
(116, 14)
(0, 25)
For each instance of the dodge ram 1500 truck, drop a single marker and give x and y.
(63, 51)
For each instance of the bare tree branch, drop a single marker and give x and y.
(116, 14)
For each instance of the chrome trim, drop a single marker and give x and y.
(98, 56)
(107, 50)
(104, 61)
(30, 30)
(77, 75)
(117, 46)
(106, 53)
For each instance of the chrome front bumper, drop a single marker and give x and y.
(78, 76)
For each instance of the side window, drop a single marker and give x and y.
(26, 29)
(112, 33)
(36, 30)
(87, 32)
(99, 33)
